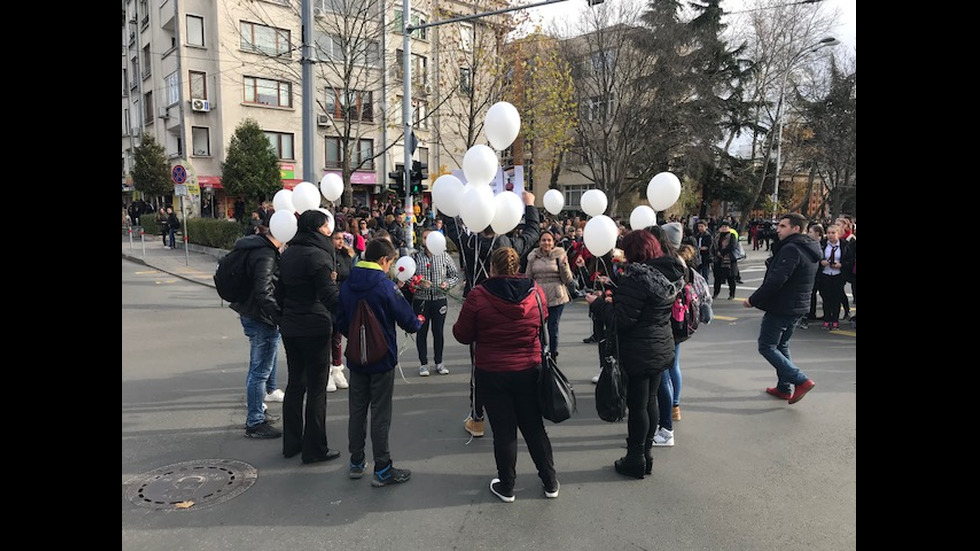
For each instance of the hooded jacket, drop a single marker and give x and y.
(307, 293)
(368, 281)
(263, 264)
(790, 273)
(639, 315)
(501, 317)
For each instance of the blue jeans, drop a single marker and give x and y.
(554, 317)
(774, 335)
(263, 352)
(669, 394)
(172, 238)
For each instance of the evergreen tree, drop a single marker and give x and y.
(151, 171)
(251, 167)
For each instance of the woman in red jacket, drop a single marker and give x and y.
(501, 317)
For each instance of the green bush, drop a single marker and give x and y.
(211, 232)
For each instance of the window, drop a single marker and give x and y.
(201, 141)
(195, 31)
(419, 68)
(134, 70)
(265, 40)
(364, 152)
(416, 20)
(199, 84)
(466, 34)
(364, 52)
(148, 107)
(282, 143)
(362, 8)
(602, 62)
(600, 107)
(173, 88)
(125, 81)
(355, 105)
(573, 196)
(145, 59)
(265, 91)
(465, 80)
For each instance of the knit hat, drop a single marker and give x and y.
(673, 231)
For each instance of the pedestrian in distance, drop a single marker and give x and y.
(638, 311)
(784, 296)
(162, 222)
(260, 316)
(834, 267)
(501, 317)
(173, 224)
(702, 242)
(815, 231)
(547, 265)
(438, 274)
(308, 295)
(725, 265)
(372, 384)
(343, 262)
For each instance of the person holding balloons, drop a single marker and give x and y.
(438, 275)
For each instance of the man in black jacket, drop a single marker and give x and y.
(784, 296)
(260, 316)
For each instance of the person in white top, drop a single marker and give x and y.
(835, 261)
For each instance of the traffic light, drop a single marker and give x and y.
(420, 171)
(397, 177)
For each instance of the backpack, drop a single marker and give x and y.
(703, 292)
(366, 342)
(685, 315)
(232, 278)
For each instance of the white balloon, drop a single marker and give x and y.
(405, 268)
(435, 242)
(446, 192)
(663, 191)
(508, 209)
(594, 202)
(306, 196)
(282, 225)
(553, 201)
(502, 125)
(642, 217)
(480, 164)
(477, 206)
(283, 200)
(331, 186)
(600, 234)
(329, 214)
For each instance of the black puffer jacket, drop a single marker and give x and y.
(307, 294)
(263, 264)
(790, 273)
(639, 315)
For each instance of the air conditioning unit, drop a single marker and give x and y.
(164, 113)
(323, 120)
(428, 89)
(201, 105)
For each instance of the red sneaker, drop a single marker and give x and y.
(835, 325)
(801, 389)
(778, 394)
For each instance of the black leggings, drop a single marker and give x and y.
(641, 400)
(726, 274)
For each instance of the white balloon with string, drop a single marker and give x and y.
(477, 206)
(331, 186)
(663, 191)
(594, 202)
(502, 125)
(642, 217)
(446, 193)
(508, 210)
(600, 234)
(306, 196)
(435, 242)
(480, 165)
(553, 201)
(283, 200)
(405, 268)
(282, 225)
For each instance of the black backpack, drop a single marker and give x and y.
(232, 278)
(366, 342)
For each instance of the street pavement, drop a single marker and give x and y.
(748, 471)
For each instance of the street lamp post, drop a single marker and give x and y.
(828, 41)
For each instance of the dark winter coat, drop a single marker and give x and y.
(501, 316)
(790, 273)
(306, 293)
(639, 315)
(368, 281)
(263, 265)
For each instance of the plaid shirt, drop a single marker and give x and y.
(435, 269)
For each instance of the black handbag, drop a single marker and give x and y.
(556, 397)
(610, 390)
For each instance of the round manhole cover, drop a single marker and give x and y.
(191, 484)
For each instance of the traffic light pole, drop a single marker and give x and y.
(407, 31)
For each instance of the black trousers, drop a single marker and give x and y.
(374, 391)
(641, 401)
(725, 274)
(305, 429)
(831, 291)
(435, 317)
(511, 401)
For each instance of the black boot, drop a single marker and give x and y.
(648, 455)
(633, 463)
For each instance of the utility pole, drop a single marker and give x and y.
(309, 99)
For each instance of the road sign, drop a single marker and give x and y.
(179, 174)
(180, 190)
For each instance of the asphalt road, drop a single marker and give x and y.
(749, 472)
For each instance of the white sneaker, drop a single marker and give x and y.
(424, 371)
(441, 369)
(595, 380)
(337, 374)
(276, 395)
(331, 384)
(663, 438)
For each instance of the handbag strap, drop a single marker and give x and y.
(542, 334)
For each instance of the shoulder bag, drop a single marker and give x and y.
(556, 397)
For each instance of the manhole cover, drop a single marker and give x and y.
(191, 484)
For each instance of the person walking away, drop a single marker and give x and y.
(723, 252)
(173, 224)
(501, 318)
(372, 385)
(260, 316)
(343, 262)
(833, 275)
(702, 243)
(784, 297)
(438, 274)
(474, 256)
(547, 265)
(308, 295)
(638, 310)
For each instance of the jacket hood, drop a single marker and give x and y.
(808, 245)
(254, 242)
(512, 293)
(363, 279)
(313, 240)
(658, 275)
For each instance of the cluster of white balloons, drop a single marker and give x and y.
(305, 196)
(474, 202)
